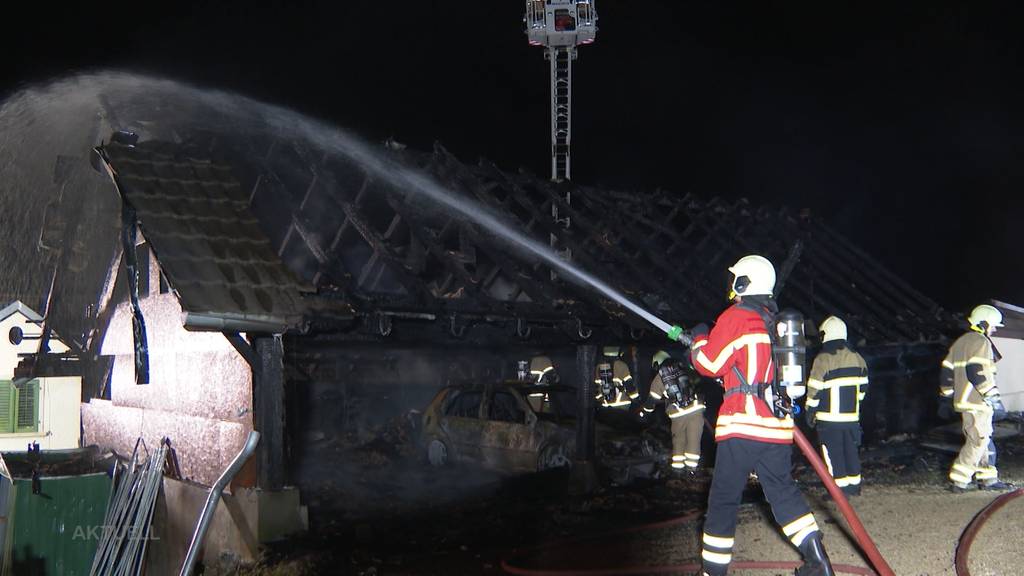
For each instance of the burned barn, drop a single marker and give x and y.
(303, 294)
(223, 267)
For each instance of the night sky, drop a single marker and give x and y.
(900, 124)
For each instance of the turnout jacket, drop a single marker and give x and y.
(837, 383)
(739, 344)
(542, 370)
(969, 372)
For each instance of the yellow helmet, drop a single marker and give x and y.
(659, 357)
(832, 329)
(990, 315)
(611, 351)
(752, 276)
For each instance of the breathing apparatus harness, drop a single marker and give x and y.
(605, 375)
(678, 387)
(786, 332)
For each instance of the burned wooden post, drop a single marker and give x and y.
(584, 473)
(642, 376)
(268, 404)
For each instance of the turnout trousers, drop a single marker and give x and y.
(686, 434)
(735, 459)
(977, 458)
(839, 443)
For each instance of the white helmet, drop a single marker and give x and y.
(832, 329)
(611, 351)
(659, 357)
(759, 276)
(990, 315)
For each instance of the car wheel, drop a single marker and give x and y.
(437, 453)
(553, 457)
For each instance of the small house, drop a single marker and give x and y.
(44, 410)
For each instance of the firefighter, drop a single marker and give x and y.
(615, 387)
(753, 430)
(542, 373)
(835, 389)
(683, 406)
(969, 378)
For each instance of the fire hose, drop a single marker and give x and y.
(963, 548)
(863, 540)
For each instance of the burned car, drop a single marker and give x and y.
(497, 427)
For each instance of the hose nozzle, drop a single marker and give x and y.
(679, 335)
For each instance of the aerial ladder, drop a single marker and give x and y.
(560, 26)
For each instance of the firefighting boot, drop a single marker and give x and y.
(816, 562)
(994, 484)
(959, 487)
(712, 569)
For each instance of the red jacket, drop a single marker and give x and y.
(740, 339)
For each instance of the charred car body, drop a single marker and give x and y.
(495, 426)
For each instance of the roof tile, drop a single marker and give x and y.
(195, 215)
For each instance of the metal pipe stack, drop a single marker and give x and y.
(128, 522)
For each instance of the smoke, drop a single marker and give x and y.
(71, 115)
(66, 118)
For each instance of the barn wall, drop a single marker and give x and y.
(199, 395)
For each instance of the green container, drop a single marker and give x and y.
(55, 533)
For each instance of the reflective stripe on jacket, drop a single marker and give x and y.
(837, 383)
(740, 340)
(540, 366)
(969, 372)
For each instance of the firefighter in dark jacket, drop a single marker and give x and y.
(969, 377)
(685, 409)
(752, 435)
(835, 388)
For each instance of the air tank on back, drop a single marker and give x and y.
(791, 348)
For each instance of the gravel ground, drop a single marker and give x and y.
(915, 529)
(470, 527)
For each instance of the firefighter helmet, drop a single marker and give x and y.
(611, 351)
(990, 315)
(832, 329)
(659, 357)
(752, 276)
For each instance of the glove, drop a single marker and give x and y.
(699, 331)
(998, 409)
(811, 415)
(995, 402)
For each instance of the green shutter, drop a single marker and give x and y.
(27, 410)
(6, 407)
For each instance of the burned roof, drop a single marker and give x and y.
(210, 246)
(394, 256)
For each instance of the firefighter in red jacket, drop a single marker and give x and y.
(752, 434)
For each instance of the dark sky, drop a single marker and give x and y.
(899, 123)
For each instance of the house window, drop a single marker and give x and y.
(19, 408)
